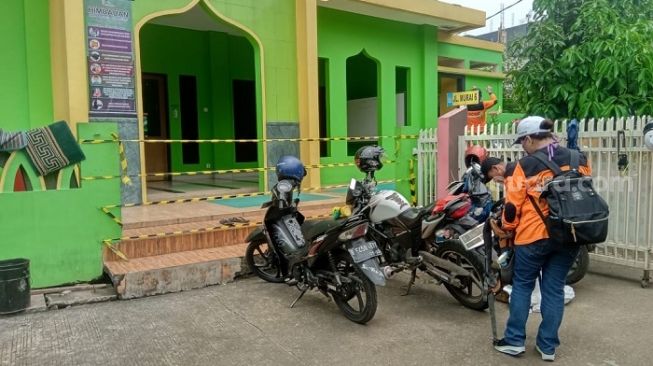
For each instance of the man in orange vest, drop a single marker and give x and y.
(476, 112)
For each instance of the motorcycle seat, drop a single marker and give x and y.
(411, 217)
(313, 228)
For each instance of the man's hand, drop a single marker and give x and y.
(506, 238)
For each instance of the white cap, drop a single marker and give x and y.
(530, 125)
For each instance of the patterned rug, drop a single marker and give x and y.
(53, 147)
(10, 141)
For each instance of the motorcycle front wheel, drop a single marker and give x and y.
(263, 262)
(356, 296)
(471, 295)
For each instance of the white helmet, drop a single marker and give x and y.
(648, 135)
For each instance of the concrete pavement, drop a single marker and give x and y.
(249, 323)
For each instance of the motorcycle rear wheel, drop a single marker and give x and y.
(579, 268)
(357, 299)
(263, 262)
(472, 295)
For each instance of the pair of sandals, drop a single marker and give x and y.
(232, 221)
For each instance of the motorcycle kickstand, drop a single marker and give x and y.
(413, 275)
(298, 297)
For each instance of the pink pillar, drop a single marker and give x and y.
(450, 126)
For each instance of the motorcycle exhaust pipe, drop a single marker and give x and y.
(388, 272)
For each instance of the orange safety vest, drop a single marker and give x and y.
(476, 115)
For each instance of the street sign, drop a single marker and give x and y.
(462, 98)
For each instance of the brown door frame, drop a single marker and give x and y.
(164, 119)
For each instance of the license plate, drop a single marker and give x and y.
(473, 238)
(363, 250)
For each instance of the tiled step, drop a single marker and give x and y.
(176, 272)
(183, 213)
(225, 235)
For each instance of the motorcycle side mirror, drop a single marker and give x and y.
(355, 190)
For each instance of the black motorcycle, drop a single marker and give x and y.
(335, 257)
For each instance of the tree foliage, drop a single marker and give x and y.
(586, 58)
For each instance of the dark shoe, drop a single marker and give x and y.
(508, 349)
(227, 222)
(545, 356)
(502, 297)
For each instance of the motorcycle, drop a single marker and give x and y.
(338, 258)
(471, 192)
(406, 236)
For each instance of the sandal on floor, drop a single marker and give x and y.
(227, 222)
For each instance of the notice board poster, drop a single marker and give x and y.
(110, 56)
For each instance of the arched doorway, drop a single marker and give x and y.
(362, 99)
(199, 81)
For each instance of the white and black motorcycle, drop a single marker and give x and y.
(406, 236)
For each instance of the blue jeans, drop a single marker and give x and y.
(554, 262)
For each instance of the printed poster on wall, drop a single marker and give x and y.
(110, 59)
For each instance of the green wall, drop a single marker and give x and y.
(392, 44)
(215, 59)
(273, 22)
(26, 87)
(61, 231)
(468, 54)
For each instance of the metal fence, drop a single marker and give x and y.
(427, 155)
(629, 192)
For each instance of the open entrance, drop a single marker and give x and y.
(198, 83)
(362, 100)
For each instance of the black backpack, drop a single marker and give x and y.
(577, 214)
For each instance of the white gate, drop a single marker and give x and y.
(629, 192)
(427, 154)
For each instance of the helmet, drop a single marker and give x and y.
(648, 135)
(368, 158)
(289, 167)
(475, 154)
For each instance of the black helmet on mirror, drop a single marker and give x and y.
(368, 158)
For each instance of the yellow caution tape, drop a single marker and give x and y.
(123, 161)
(307, 139)
(227, 196)
(115, 250)
(224, 171)
(412, 182)
(111, 215)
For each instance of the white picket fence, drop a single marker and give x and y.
(629, 193)
(427, 157)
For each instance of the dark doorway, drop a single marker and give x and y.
(155, 124)
(244, 102)
(189, 119)
(323, 107)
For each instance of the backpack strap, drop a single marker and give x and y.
(537, 208)
(574, 162)
(541, 156)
